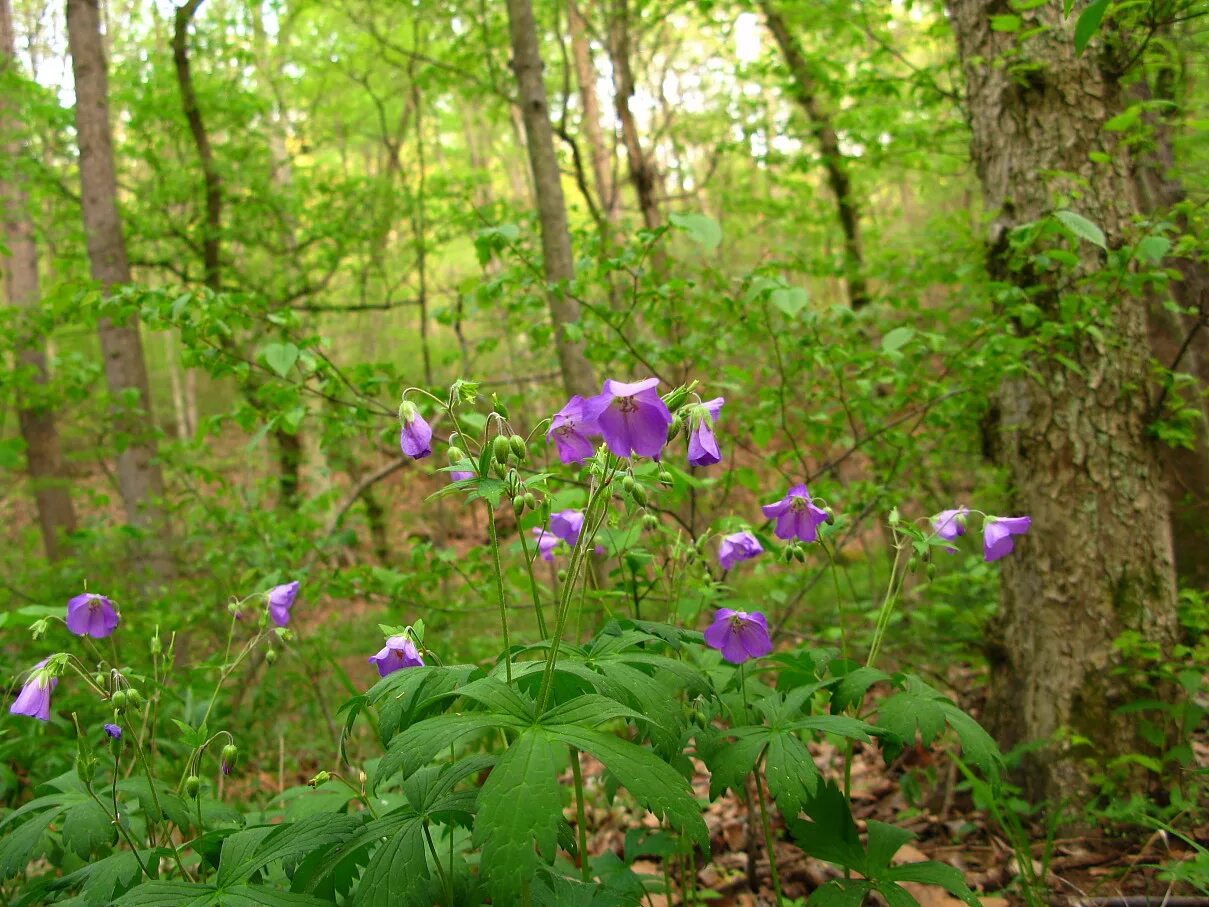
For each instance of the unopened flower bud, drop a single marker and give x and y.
(639, 495)
(229, 752)
(519, 450)
(530, 500)
(518, 504)
(270, 656)
(665, 478)
(913, 564)
(627, 484)
(650, 521)
(118, 699)
(85, 767)
(501, 449)
(931, 570)
(100, 680)
(192, 786)
(830, 516)
(320, 779)
(498, 407)
(456, 455)
(156, 645)
(134, 698)
(562, 576)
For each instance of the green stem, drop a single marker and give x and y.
(768, 842)
(839, 597)
(446, 879)
(537, 603)
(883, 618)
(118, 822)
(499, 589)
(581, 819)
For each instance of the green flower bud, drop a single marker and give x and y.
(519, 450)
(119, 700)
(270, 656)
(562, 576)
(931, 570)
(156, 645)
(639, 495)
(913, 564)
(498, 407)
(650, 521)
(830, 516)
(518, 504)
(320, 779)
(530, 500)
(100, 680)
(627, 483)
(501, 449)
(85, 767)
(192, 786)
(665, 478)
(134, 698)
(456, 455)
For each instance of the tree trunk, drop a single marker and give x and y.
(56, 515)
(805, 92)
(1074, 444)
(577, 374)
(139, 477)
(586, 75)
(643, 175)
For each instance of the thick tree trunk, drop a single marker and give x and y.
(1074, 444)
(139, 475)
(586, 75)
(56, 515)
(835, 163)
(577, 373)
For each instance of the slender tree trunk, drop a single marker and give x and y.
(1074, 444)
(577, 374)
(835, 163)
(139, 477)
(586, 75)
(643, 175)
(56, 515)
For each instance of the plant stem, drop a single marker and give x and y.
(537, 603)
(887, 608)
(585, 869)
(768, 842)
(499, 589)
(446, 879)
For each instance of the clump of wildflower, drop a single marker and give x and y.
(398, 653)
(572, 429)
(797, 516)
(281, 600)
(739, 635)
(34, 698)
(702, 445)
(415, 439)
(738, 546)
(997, 532)
(89, 614)
(633, 418)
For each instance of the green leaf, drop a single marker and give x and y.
(280, 357)
(246, 851)
(831, 834)
(87, 828)
(791, 772)
(1088, 23)
(520, 809)
(840, 893)
(19, 847)
(854, 685)
(790, 300)
(932, 872)
(1154, 248)
(884, 842)
(262, 896)
(409, 751)
(1007, 23)
(394, 867)
(701, 229)
(731, 762)
(896, 339)
(169, 894)
(1083, 228)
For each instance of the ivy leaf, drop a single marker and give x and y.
(1081, 227)
(520, 809)
(280, 357)
(1088, 23)
(701, 229)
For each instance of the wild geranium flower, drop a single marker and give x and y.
(997, 532)
(416, 436)
(281, 600)
(572, 428)
(633, 418)
(93, 615)
(797, 516)
(949, 524)
(546, 543)
(567, 524)
(34, 698)
(458, 475)
(738, 546)
(739, 635)
(702, 445)
(113, 731)
(398, 653)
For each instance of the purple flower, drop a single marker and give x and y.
(702, 445)
(567, 524)
(113, 731)
(739, 635)
(633, 418)
(997, 532)
(398, 653)
(34, 698)
(91, 615)
(573, 426)
(796, 515)
(458, 475)
(949, 524)
(546, 543)
(739, 546)
(281, 599)
(416, 437)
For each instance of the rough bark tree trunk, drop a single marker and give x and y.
(643, 175)
(835, 163)
(1075, 444)
(52, 496)
(586, 75)
(577, 374)
(139, 477)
